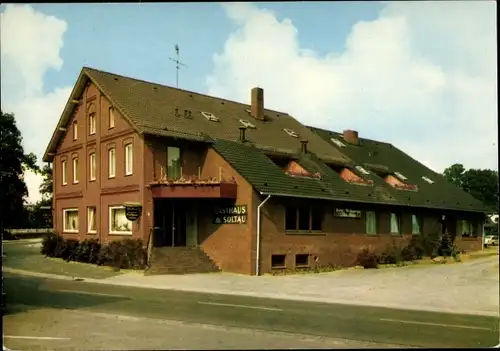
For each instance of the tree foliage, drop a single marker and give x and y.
(46, 186)
(480, 183)
(14, 162)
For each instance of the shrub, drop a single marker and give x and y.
(445, 248)
(88, 251)
(70, 250)
(392, 255)
(124, 254)
(368, 259)
(50, 243)
(414, 250)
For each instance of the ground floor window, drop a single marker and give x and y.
(118, 222)
(303, 219)
(416, 224)
(70, 224)
(278, 261)
(466, 228)
(91, 220)
(371, 222)
(395, 223)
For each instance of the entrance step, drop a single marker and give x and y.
(180, 260)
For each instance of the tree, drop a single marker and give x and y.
(14, 162)
(46, 186)
(480, 183)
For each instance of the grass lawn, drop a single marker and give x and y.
(25, 255)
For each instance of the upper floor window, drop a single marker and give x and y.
(93, 165)
(91, 220)
(75, 169)
(112, 162)
(128, 159)
(303, 218)
(173, 162)
(92, 123)
(395, 223)
(111, 117)
(64, 170)
(371, 222)
(416, 224)
(75, 130)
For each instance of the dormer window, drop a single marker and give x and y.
(337, 142)
(400, 176)
(362, 170)
(210, 116)
(291, 132)
(247, 124)
(428, 180)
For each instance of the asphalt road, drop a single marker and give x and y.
(96, 316)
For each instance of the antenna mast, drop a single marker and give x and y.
(178, 64)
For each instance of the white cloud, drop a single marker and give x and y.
(31, 44)
(421, 76)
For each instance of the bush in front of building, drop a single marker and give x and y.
(49, 244)
(368, 259)
(124, 254)
(391, 255)
(88, 251)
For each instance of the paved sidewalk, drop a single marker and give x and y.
(468, 288)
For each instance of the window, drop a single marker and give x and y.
(291, 133)
(247, 124)
(118, 223)
(64, 169)
(302, 260)
(111, 118)
(416, 224)
(362, 170)
(92, 166)
(209, 116)
(303, 219)
(70, 224)
(337, 142)
(466, 228)
(395, 223)
(428, 180)
(129, 165)
(112, 162)
(278, 261)
(91, 220)
(400, 176)
(75, 170)
(75, 130)
(371, 222)
(173, 162)
(92, 123)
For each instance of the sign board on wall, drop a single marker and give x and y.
(230, 215)
(346, 213)
(133, 211)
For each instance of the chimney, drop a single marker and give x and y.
(257, 100)
(351, 136)
(303, 146)
(242, 134)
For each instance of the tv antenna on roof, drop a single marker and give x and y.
(178, 64)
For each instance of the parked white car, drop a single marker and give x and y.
(491, 240)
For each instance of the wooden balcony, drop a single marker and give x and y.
(194, 187)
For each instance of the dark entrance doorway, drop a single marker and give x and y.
(169, 223)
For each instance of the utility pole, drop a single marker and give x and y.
(178, 64)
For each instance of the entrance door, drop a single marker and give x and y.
(170, 224)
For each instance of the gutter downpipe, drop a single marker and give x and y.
(257, 251)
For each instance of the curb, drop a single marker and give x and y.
(296, 297)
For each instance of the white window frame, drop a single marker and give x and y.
(64, 172)
(400, 176)
(111, 118)
(337, 142)
(210, 116)
(75, 130)
(110, 226)
(112, 162)
(92, 124)
(291, 132)
(397, 216)
(129, 164)
(93, 165)
(371, 215)
(75, 170)
(89, 210)
(362, 170)
(415, 219)
(247, 124)
(428, 180)
(65, 212)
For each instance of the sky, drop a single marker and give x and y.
(420, 75)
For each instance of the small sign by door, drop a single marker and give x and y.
(231, 215)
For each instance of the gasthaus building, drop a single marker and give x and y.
(211, 184)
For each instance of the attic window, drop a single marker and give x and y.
(362, 170)
(247, 124)
(400, 176)
(291, 132)
(337, 142)
(209, 116)
(428, 180)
